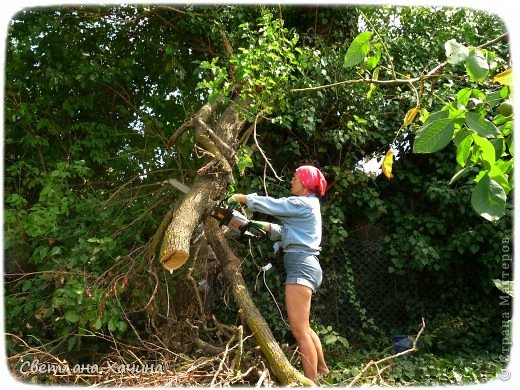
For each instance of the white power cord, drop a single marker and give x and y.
(265, 268)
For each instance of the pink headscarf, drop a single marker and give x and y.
(312, 179)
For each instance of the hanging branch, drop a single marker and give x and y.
(378, 82)
(262, 152)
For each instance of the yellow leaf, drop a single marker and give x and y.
(387, 164)
(505, 78)
(410, 116)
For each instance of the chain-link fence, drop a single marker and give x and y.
(358, 291)
(366, 304)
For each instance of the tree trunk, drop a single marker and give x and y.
(206, 188)
(220, 143)
(278, 362)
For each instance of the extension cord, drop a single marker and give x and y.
(267, 267)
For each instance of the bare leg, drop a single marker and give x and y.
(298, 304)
(322, 365)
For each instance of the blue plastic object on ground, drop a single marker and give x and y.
(403, 343)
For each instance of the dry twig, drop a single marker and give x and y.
(385, 359)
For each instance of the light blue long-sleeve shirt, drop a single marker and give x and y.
(301, 221)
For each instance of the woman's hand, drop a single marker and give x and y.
(237, 198)
(265, 226)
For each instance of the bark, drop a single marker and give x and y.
(278, 362)
(206, 188)
(195, 204)
(175, 247)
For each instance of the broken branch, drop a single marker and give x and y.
(385, 359)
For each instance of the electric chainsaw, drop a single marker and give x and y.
(237, 223)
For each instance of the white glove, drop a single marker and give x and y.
(265, 226)
(235, 198)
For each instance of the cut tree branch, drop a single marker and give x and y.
(175, 247)
(205, 189)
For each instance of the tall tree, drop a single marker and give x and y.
(103, 106)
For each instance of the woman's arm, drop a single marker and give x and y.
(277, 207)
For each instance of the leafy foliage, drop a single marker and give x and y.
(425, 369)
(93, 94)
(476, 138)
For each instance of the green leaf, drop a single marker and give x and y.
(497, 175)
(330, 339)
(499, 145)
(476, 65)
(434, 136)
(27, 285)
(480, 175)
(505, 166)
(435, 116)
(489, 199)
(460, 174)
(481, 126)
(112, 324)
(243, 159)
(487, 151)
(371, 62)
(48, 312)
(456, 53)
(463, 96)
(121, 325)
(72, 343)
(506, 286)
(375, 76)
(71, 316)
(98, 324)
(511, 146)
(41, 252)
(358, 49)
(464, 149)
(344, 341)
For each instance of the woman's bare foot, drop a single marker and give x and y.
(323, 369)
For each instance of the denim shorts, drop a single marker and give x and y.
(303, 269)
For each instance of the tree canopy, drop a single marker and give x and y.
(407, 111)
